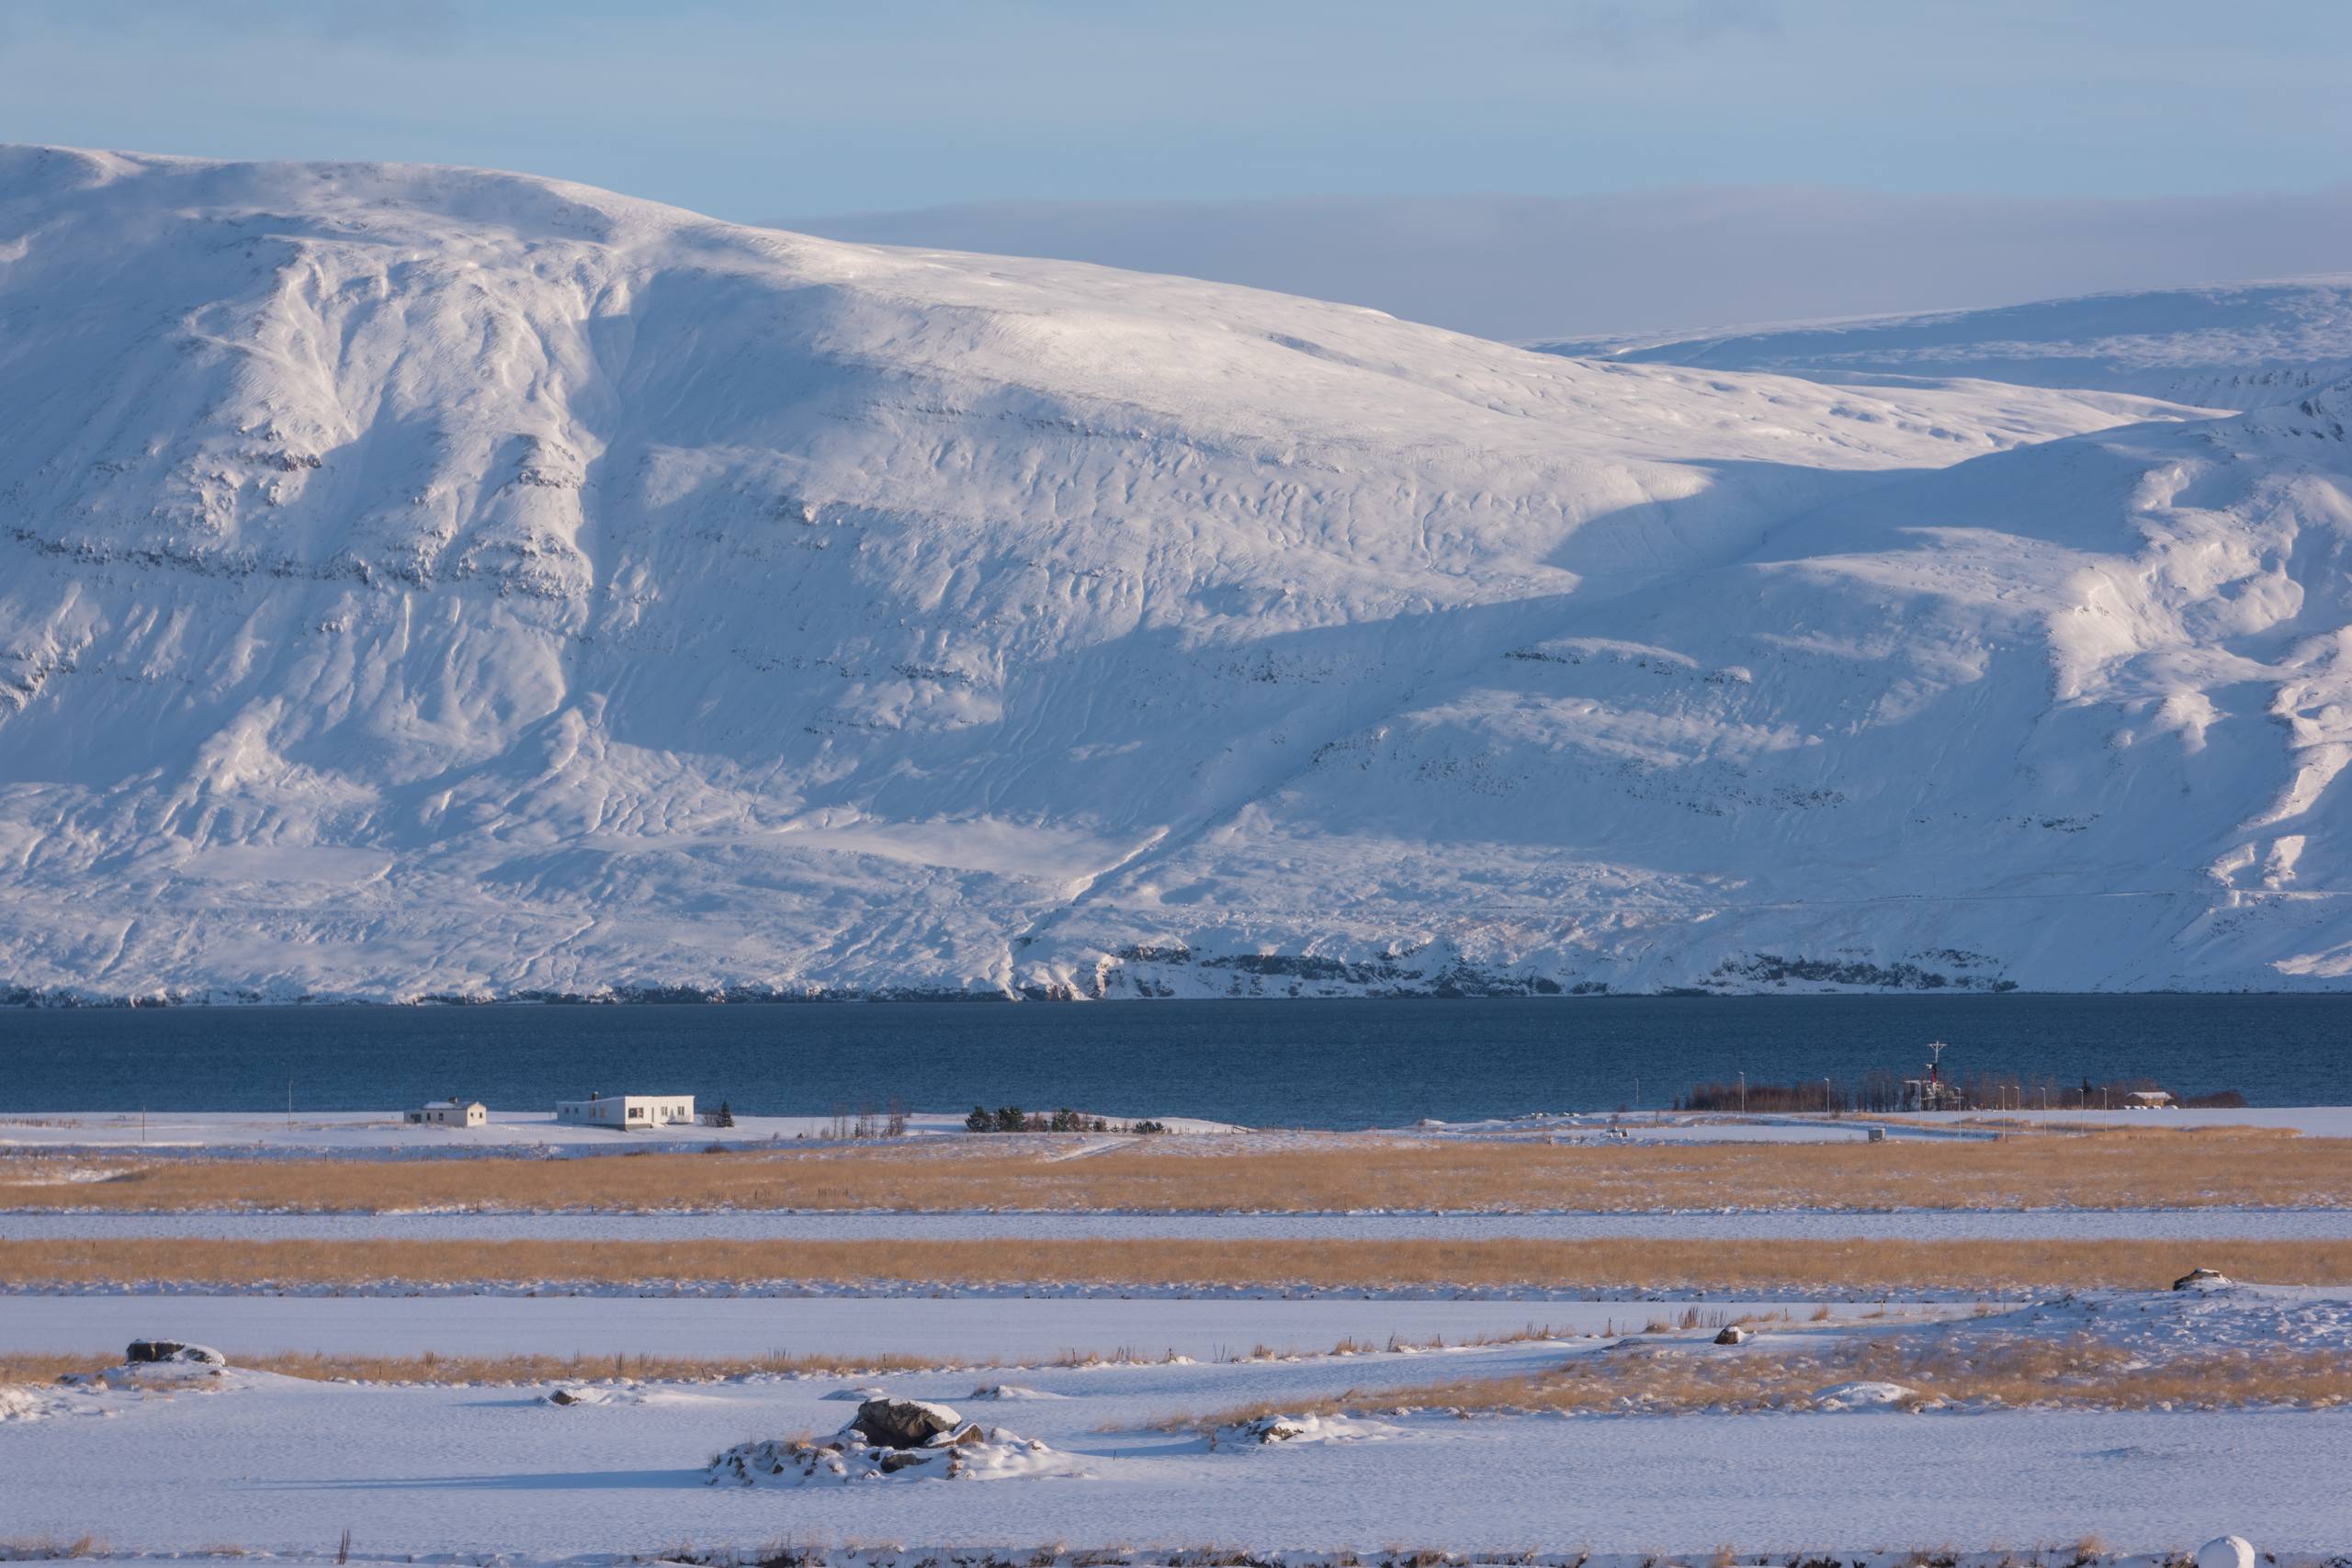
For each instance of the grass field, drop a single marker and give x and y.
(2128, 1168)
(1648, 1380)
(1611, 1266)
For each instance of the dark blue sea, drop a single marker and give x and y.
(1311, 1064)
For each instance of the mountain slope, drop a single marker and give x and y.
(428, 581)
(2063, 718)
(2222, 346)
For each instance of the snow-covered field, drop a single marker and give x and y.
(265, 1461)
(383, 1132)
(959, 1333)
(428, 582)
(513, 1130)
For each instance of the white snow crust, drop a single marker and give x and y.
(2225, 345)
(281, 1465)
(427, 581)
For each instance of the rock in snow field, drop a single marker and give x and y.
(424, 581)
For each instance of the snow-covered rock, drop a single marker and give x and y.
(166, 1360)
(425, 581)
(1305, 1429)
(1864, 1396)
(906, 1423)
(23, 1403)
(2226, 1551)
(849, 1457)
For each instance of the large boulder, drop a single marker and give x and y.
(170, 1358)
(2201, 1280)
(904, 1423)
(158, 1352)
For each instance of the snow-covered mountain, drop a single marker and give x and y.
(427, 581)
(2226, 346)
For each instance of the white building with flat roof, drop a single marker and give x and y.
(626, 1113)
(447, 1113)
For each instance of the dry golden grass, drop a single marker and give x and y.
(2120, 1168)
(1653, 1380)
(1759, 1264)
(432, 1367)
(50, 1549)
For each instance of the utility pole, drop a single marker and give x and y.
(1743, 1091)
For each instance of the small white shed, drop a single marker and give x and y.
(626, 1113)
(2148, 1099)
(448, 1113)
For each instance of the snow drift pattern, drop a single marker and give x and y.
(427, 581)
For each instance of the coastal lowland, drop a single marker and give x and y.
(1193, 1331)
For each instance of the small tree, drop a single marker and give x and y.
(979, 1121)
(1010, 1119)
(724, 1116)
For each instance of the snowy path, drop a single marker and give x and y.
(967, 1329)
(2082, 1225)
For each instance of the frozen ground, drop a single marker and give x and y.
(1796, 1225)
(1017, 1330)
(383, 1132)
(277, 1463)
(512, 1132)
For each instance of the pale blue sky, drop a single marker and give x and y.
(767, 111)
(743, 109)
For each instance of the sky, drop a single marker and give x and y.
(1474, 144)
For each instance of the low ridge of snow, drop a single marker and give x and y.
(2226, 346)
(428, 582)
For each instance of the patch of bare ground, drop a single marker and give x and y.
(1661, 1379)
(2129, 1167)
(1603, 1266)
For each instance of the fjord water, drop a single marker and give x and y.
(1313, 1064)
